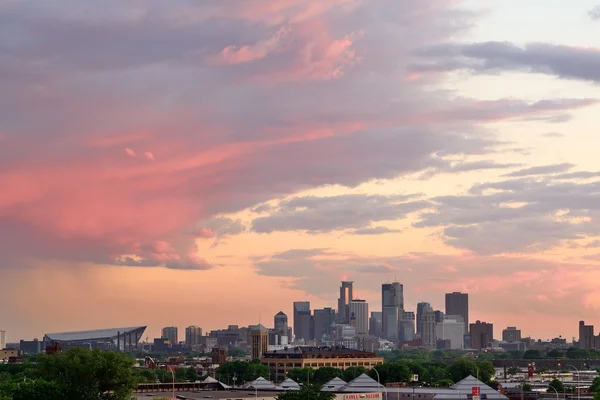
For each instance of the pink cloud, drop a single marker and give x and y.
(129, 152)
(149, 156)
(248, 53)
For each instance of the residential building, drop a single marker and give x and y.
(302, 321)
(420, 307)
(457, 303)
(323, 320)
(345, 298)
(586, 336)
(193, 335)
(511, 334)
(259, 342)
(170, 333)
(428, 328)
(452, 328)
(359, 313)
(280, 362)
(482, 335)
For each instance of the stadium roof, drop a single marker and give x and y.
(92, 335)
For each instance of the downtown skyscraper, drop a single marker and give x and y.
(346, 297)
(458, 304)
(392, 308)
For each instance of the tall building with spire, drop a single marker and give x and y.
(259, 338)
(346, 296)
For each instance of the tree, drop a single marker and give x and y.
(526, 387)
(312, 392)
(352, 372)
(243, 370)
(595, 387)
(89, 374)
(557, 385)
(181, 375)
(38, 390)
(514, 370)
(191, 374)
(324, 374)
(532, 355)
(302, 375)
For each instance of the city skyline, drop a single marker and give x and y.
(178, 163)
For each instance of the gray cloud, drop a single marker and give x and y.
(326, 214)
(519, 215)
(595, 13)
(377, 230)
(541, 170)
(558, 60)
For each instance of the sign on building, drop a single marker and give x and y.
(414, 378)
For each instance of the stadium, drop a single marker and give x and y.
(123, 339)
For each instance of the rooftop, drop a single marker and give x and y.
(93, 334)
(318, 352)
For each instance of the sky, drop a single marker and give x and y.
(210, 162)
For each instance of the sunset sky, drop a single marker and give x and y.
(209, 162)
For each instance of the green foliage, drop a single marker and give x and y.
(514, 370)
(557, 385)
(352, 372)
(238, 353)
(191, 374)
(180, 375)
(461, 368)
(302, 375)
(595, 387)
(89, 374)
(532, 355)
(312, 392)
(244, 371)
(526, 387)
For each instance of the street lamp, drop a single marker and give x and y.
(379, 384)
(173, 376)
(575, 368)
(553, 388)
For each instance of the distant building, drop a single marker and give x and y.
(281, 327)
(359, 312)
(31, 346)
(2, 339)
(170, 333)
(407, 327)
(375, 323)
(125, 339)
(219, 355)
(428, 328)
(193, 335)
(259, 342)
(451, 329)
(346, 296)
(586, 336)
(302, 321)
(511, 334)
(439, 316)
(392, 306)
(323, 320)
(482, 335)
(7, 354)
(457, 303)
(420, 307)
(280, 362)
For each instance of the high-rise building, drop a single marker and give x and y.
(302, 321)
(586, 336)
(376, 324)
(323, 320)
(170, 333)
(407, 327)
(511, 334)
(281, 327)
(420, 307)
(2, 339)
(457, 303)
(428, 328)
(482, 335)
(439, 316)
(359, 312)
(392, 306)
(346, 297)
(193, 335)
(259, 338)
(452, 328)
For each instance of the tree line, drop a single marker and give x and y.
(431, 373)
